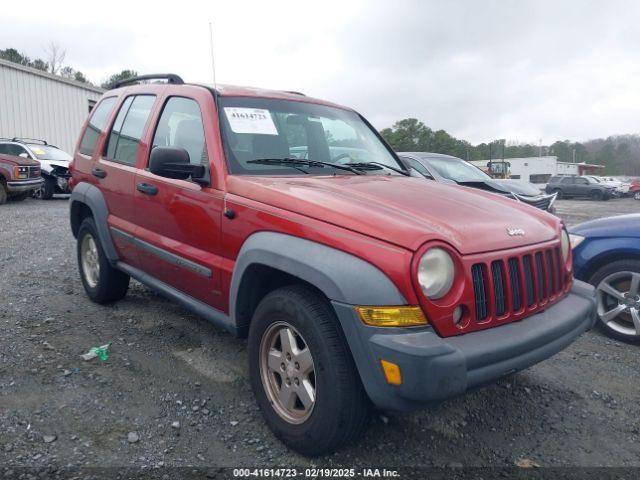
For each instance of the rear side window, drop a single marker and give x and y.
(568, 181)
(126, 133)
(96, 125)
(180, 125)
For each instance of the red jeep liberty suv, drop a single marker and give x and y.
(288, 220)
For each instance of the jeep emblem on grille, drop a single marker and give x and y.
(515, 232)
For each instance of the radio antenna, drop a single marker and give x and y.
(213, 63)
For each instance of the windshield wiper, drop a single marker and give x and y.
(380, 165)
(292, 162)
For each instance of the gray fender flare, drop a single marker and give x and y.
(91, 196)
(342, 277)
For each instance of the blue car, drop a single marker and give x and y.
(606, 253)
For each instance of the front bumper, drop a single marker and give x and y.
(20, 186)
(435, 368)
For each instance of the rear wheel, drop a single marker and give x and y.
(637, 195)
(618, 294)
(101, 281)
(302, 373)
(558, 193)
(596, 195)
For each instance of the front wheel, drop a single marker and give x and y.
(558, 193)
(3, 193)
(302, 373)
(618, 294)
(637, 195)
(101, 281)
(45, 192)
(596, 195)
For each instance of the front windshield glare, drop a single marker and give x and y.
(458, 170)
(260, 128)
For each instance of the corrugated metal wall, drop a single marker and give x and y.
(35, 104)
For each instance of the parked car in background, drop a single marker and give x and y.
(606, 253)
(19, 177)
(454, 170)
(573, 186)
(634, 188)
(620, 188)
(54, 163)
(354, 282)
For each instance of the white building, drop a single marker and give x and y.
(540, 169)
(36, 104)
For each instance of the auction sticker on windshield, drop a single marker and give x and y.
(250, 120)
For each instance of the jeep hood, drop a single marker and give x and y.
(405, 211)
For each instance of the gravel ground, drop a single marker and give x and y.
(174, 391)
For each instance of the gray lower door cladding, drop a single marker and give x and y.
(164, 254)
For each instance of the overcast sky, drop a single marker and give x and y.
(522, 70)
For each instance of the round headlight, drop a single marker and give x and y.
(435, 273)
(565, 244)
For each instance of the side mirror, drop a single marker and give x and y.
(24, 155)
(173, 162)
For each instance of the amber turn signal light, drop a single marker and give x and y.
(399, 316)
(391, 372)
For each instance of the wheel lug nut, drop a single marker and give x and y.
(288, 356)
(296, 381)
(282, 367)
(288, 381)
(297, 366)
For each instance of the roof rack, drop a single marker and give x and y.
(169, 77)
(24, 140)
(294, 92)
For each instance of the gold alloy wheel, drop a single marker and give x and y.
(287, 372)
(90, 261)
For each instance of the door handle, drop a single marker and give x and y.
(98, 172)
(147, 188)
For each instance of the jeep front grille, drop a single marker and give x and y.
(504, 287)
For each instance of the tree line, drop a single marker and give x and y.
(53, 63)
(620, 154)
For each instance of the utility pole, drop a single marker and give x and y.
(540, 148)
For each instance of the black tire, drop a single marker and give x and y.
(3, 193)
(47, 190)
(637, 195)
(596, 195)
(341, 407)
(111, 284)
(601, 274)
(558, 193)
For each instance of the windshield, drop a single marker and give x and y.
(48, 152)
(457, 170)
(262, 128)
(593, 180)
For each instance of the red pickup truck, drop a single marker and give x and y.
(19, 177)
(355, 283)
